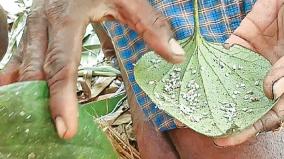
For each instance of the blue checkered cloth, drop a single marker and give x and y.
(218, 19)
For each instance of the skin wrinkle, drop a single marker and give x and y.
(272, 121)
(30, 73)
(254, 38)
(31, 67)
(259, 16)
(157, 18)
(278, 116)
(272, 30)
(53, 64)
(258, 126)
(56, 10)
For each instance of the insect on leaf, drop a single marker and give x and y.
(216, 91)
(27, 131)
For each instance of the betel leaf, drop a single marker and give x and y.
(27, 131)
(105, 106)
(216, 91)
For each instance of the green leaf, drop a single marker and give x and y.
(95, 48)
(103, 107)
(216, 91)
(104, 70)
(27, 131)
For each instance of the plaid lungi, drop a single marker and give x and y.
(218, 19)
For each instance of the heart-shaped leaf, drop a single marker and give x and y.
(27, 131)
(216, 91)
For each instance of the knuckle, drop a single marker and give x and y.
(34, 14)
(278, 110)
(58, 67)
(267, 123)
(57, 11)
(55, 7)
(30, 72)
(270, 121)
(258, 126)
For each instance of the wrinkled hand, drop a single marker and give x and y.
(52, 42)
(262, 30)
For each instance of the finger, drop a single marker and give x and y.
(236, 139)
(275, 74)
(10, 72)
(270, 121)
(278, 88)
(35, 45)
(62, 60)
(233, 39)
(273, 84)
(152, 26)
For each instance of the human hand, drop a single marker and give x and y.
(262, 30)
(51, 47)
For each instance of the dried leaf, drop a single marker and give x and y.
(101, 84)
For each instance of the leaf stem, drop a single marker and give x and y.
(197, 32)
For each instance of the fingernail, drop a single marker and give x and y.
(60, 126)
(226, 45)
(278, 88)
(176, 48)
